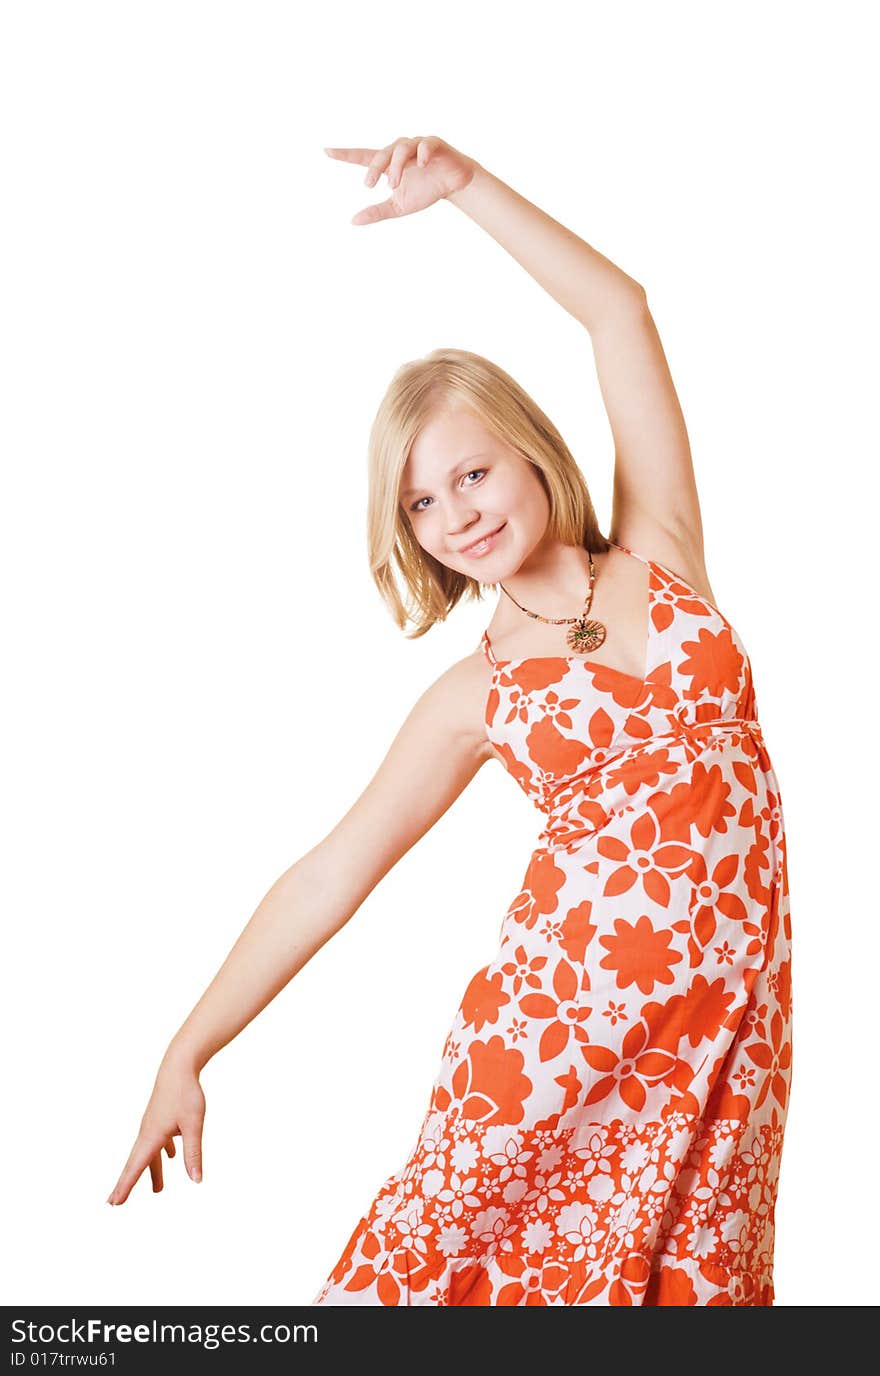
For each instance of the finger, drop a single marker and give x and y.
(131, 1171)
(192, 1149)
(156, 1171)
(141, 1153)
(427, 146)
(170, 1147)
(361, 155)
(385, 210)
(378, 163)
(404, 150)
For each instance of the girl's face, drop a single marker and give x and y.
(473, 503)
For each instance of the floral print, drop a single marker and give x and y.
(606, 1123)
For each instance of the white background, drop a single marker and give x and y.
(199, 675)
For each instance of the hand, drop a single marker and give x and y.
(176, 1109)
(420, 172)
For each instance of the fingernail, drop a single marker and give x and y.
(196, 1173)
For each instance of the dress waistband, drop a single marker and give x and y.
(693, 730)
(695, 736)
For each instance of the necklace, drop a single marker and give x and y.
(583, 635)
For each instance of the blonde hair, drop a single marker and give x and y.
(446, 379)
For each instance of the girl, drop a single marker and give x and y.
(607, 1120)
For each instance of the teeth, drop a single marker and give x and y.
(483, 544)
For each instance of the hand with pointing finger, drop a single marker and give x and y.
(420, 171)
(176, 1109)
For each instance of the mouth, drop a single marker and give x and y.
(484, 544)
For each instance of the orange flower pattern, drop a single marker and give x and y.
(606, 1124)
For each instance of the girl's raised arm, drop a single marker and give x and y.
(654, 481)
(655, 504)
(435, 754)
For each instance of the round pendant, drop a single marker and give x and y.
(585, 636)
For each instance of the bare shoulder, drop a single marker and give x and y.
(433, 757)
(679, 551)
(456, 703)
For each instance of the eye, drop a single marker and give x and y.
(417, 505)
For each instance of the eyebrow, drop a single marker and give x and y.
(408, 491)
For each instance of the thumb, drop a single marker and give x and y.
(192, 1149)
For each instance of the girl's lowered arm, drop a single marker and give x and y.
(433, 757)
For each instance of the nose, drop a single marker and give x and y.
(461, 518)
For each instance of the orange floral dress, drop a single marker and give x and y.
(607, 1121)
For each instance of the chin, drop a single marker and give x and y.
(484, 570)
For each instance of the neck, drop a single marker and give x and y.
(552, 581)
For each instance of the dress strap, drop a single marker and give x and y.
(486, 646)
(627, 550)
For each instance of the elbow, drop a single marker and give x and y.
(624, 307)
(630, 302)
(637, 294)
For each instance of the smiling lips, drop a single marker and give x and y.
(481, 547)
